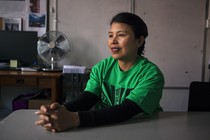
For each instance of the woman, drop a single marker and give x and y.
(120, 86)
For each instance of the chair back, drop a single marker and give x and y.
(199, 96)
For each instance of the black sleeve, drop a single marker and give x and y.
(109, 115)
(85, 101)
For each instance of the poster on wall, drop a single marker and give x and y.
(12, 24)
(36, 16)
(29, 15)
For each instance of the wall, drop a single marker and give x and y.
(176, 43)
(207, 56)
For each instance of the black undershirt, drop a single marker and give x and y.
(108, 115)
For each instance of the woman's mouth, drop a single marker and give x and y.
(115, 49)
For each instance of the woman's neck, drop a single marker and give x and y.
(126, 65)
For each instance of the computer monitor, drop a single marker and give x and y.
(20, 46)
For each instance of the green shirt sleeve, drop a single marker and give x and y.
(148, 92)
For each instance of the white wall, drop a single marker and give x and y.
(207, 57)
(175, 99)
(176, 43)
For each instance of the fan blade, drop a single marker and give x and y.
(58, 51)
(46, 53)
(45, 39)
(60, 39)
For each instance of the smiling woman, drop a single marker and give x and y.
(138, 26)
(120, 86)
(123, 44)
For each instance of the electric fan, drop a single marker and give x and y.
(52, 47)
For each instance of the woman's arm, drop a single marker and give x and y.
(55, 117)
(83, 102)
(108, 115)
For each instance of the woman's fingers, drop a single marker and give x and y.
(41, 122)
(55, 106)
(40, 112)
(43, 119)
(48, 116)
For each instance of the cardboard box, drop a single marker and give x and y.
(36, 103)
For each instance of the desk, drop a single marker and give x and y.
(38, 79)
(163, 126)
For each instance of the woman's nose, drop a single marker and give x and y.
(114, 40)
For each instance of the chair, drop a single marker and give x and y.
(73, 84)
(199, 96)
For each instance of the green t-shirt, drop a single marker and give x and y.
(142, 84)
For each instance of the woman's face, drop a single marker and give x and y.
(122, 42)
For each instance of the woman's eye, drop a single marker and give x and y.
(110, 36)
(122, 35)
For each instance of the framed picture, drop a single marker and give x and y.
(12, 24)
(37, 16)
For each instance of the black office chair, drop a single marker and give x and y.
(199, 96)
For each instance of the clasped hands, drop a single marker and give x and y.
(56, 118)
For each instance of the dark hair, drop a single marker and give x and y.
(138, 25)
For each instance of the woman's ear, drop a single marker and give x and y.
(141, 41)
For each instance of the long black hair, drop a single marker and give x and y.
(138, 25)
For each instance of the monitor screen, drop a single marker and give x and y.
(18, 45)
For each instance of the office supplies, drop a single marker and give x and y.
(52, 47)
(14, 63)
(74, 69)
(2, 64)
(28, 69)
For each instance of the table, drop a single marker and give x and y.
(37, 79)
(163, 126)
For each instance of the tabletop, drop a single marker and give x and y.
(162, 126)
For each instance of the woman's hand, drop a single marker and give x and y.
(57, 118)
